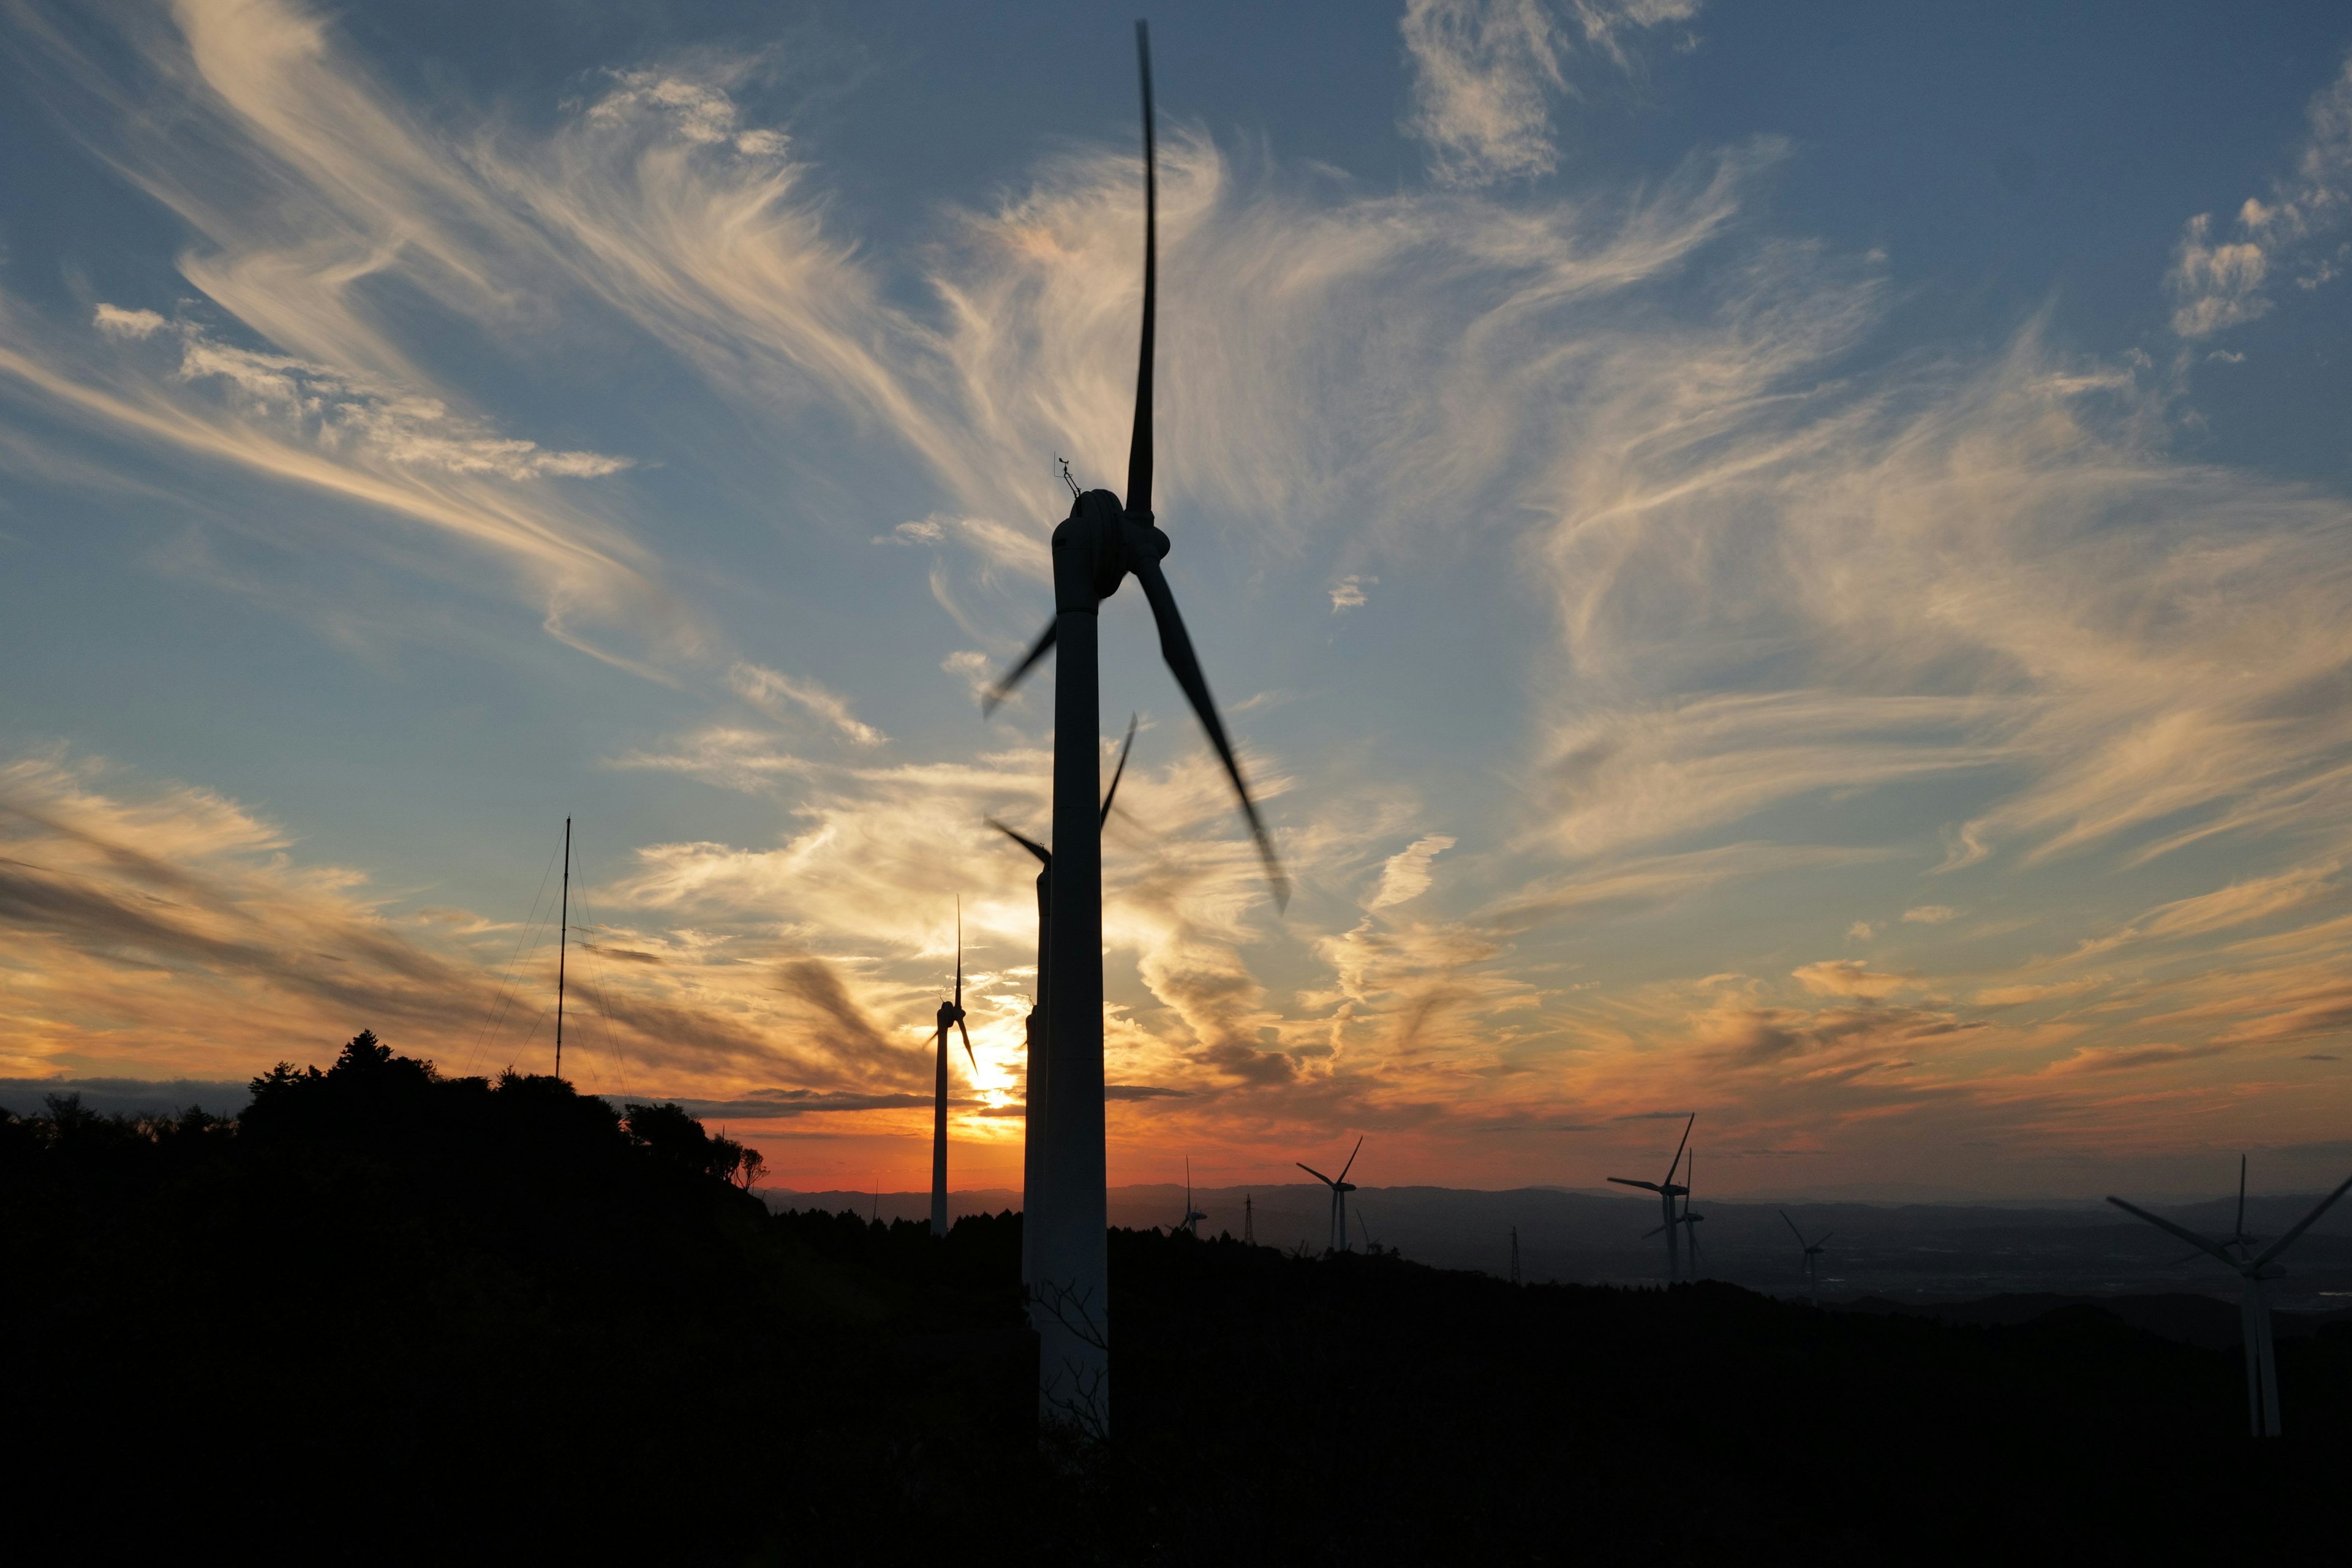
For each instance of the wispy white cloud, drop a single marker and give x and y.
(2220, 278)
(1406, 874)
(1485, 73)
(768, 690)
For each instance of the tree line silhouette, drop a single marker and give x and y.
(386, 1311)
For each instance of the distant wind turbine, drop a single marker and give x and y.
(1040, 1045)
(1667, 1193)
(1341, 1187)
(1812, 1255)
(1102, 542)
(2253, 1309)
(951, 1015)
(1191, 1223)
(1690, 1220)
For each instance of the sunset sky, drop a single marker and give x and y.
(1790, 562)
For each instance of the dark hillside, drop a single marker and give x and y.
(387, 1314)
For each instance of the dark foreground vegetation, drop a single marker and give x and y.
(388, 1314)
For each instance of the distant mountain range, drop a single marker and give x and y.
(1908, 1253)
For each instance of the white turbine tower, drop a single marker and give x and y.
(950, 1016)
(2256, 1269)
(1341, 1187)
(1812, 1255)
(1094, 549)
(1033, 1137)
(1667, 1193)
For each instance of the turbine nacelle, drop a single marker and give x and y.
(1095, 548)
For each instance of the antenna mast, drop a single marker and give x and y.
(562, 931)
(1249, 1223)
(1515, 1255)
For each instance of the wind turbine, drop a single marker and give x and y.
(1191, 1223)
(2256, 1269)
(1341, 1187)
(1812, 1255)
(951, 1013)
(1667, 1193)
(1039, 1042)
(1094, 549)
(1690, 1221)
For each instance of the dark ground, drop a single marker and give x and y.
(386, 1315)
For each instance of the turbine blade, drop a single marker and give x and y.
(966, 1043)
(1679, 1148)
(1176, 647)
(1351, 1159)
(1630, 1181)
(1030, 845)
(1792, 1227)
(958, 958)
(1825, 1240)
(1317, 1176)
(2306, 1223)
(1117, 773)
(1139, 451)
(2239, 1229)
(1003, 689)
(2183, 1232)
(1651, 1232)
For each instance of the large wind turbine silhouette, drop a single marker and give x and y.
(2256, 1269)
(1341, 1187)
(1812, 1255)
(1667, 1193)
(951, 1014)
(1040, 1049)
(1094, 549)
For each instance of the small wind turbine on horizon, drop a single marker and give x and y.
(1812, 1255)
(951, 1015)
(1037, 1074)
(1096, 547)
(1667, 1193)
(2256, 1269)
(1341, 1187)
(1191, 1223)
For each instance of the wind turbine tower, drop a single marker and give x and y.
(1341, 1187)
(1667, 1193)
(1812, 1255)
(950, 1015)
(1094, 549)
(2257, 1269)
(1040, 1037)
